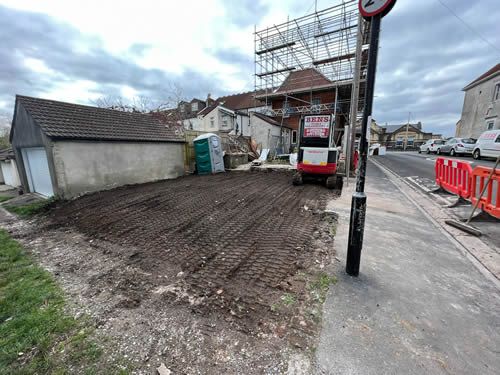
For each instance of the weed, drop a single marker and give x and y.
(274, 308)
(288, 299)
(3, 199)
(323, 282)
(30, 209)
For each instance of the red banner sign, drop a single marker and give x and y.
(316, 126)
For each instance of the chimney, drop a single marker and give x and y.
(209, 99)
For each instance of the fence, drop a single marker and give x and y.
(459, 178)
(400, 145)
(490, 201)
(454, 176)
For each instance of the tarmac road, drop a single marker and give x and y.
(408, 164)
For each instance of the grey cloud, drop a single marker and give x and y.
(31, 35)
(438, 56)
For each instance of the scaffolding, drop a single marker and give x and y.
(323, 42)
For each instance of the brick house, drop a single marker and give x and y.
(302, 92)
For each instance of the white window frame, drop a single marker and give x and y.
(212, 122)
(194, 106)
(496, 91)
(181, 108)
(294, 135)
(224, 121)
(488, 123)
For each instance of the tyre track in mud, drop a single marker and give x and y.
(243, 233)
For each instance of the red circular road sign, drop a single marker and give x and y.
(370, 8)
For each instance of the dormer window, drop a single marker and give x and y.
(181, 107)
(194, 106)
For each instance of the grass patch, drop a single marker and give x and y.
(30, 209)
(35, 335)
(4, 199)
(321, 286)
(288, 299)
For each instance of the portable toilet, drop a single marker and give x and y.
(209, 156)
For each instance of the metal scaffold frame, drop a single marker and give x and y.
(325, 40)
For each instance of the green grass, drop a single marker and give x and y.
(36, 337)
(321, 286)
(3, 199)
(30, 209)
(288, 299)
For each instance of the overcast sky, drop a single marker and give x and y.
(77, 51)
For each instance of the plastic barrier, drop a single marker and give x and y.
(487, 202)
(454, 176)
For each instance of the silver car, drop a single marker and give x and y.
(457, 146)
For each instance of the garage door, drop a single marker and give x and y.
(37, 170)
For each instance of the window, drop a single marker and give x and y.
(286, 109)
(411, 141)
(224, 121)
(212, 122)
(316, 105)
(294, 137)
(181, 107)
(194, 106)
(490, 125)
(399, 142)
(498, 139)
(496, 92)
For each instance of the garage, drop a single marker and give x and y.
(37, 170)
(67, 150)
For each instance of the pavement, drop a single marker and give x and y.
(421, 304)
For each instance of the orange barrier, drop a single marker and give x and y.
(486, 202)
(454, 176)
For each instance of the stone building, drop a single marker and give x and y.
(481, 109)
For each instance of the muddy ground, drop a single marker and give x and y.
(209, 275)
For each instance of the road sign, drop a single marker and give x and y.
(370, 8)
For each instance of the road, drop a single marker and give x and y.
(419, 169)
(407, 164)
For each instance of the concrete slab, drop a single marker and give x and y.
(419, 305)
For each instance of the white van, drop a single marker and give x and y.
(488, 145)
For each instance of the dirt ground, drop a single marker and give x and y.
(209, 275)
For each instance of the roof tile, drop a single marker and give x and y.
(75, 121)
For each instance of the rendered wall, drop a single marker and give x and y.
(9, 173)
(84, 166)
(479, 109)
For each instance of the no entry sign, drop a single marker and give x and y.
(316, 126)
(370, 8)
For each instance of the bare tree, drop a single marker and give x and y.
(5, 125)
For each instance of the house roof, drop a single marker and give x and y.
(389, 129)
(492, 71)
(242, 100)
(271, 120)
(75, 121)
(303, 79)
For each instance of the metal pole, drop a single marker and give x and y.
(407, 125)
(358, 205)
(355, 93)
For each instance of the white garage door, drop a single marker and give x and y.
(37, 170)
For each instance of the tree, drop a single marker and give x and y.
(5, 124)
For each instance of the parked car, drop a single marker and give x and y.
(457, 146)
(488, 145)
(430, 146)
